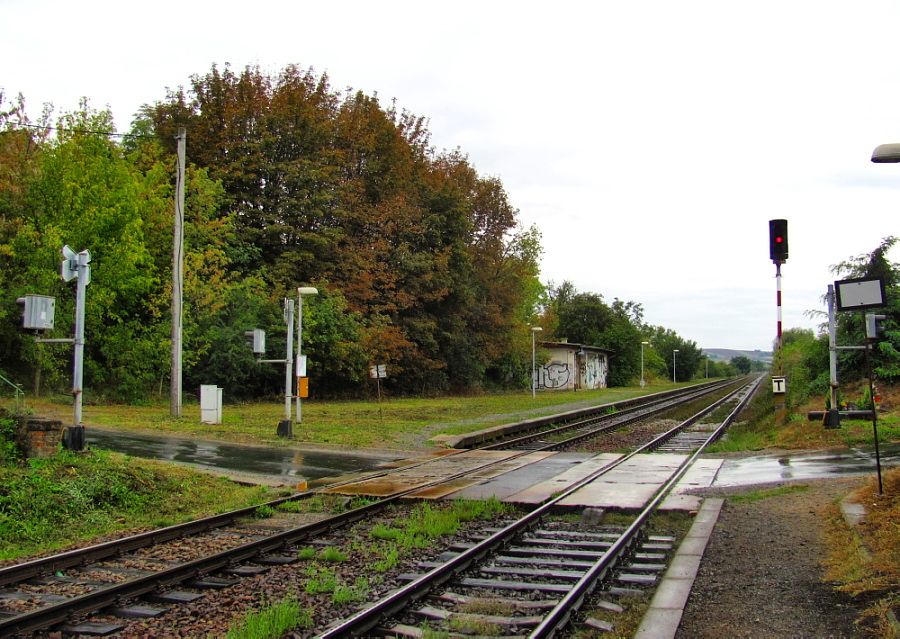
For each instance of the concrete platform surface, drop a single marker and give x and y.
(534, 477)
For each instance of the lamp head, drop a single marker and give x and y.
(885, 153)
(307, 290)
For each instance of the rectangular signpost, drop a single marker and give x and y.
(859, 294)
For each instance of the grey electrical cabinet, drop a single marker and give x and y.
(39, 311)
(259, 340)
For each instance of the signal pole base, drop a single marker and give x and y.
(73, 438)
(285, 429)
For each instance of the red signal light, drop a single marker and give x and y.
(778, 240)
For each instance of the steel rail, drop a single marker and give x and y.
(65, 560)
(559, 616)
(639, 415)
(48, 616)
(367, 618)
(535, 428)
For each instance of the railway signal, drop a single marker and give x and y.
(778, 241)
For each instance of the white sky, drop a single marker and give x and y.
(649, 140)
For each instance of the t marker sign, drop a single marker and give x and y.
(778, 386)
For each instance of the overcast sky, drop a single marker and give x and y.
(650, 141)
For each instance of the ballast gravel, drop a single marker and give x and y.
(761, 574)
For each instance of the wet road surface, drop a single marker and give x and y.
(289, 465)
(763, 469)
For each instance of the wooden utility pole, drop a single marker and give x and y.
(178, 277)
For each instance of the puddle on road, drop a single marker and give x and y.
(287, 463)
(773, 468)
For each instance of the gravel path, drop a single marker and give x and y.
(761, 574)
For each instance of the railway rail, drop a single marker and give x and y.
(107, 577)
(476, 568)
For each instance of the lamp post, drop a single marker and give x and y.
(707, 367)
(642, 363)
(534, 331)
(673, 364)
(301, 291)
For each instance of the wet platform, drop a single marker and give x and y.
(535, 477)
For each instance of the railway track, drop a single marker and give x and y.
(581, 562)
(135, 577)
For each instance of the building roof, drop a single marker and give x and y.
(576, 347)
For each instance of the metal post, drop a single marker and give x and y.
(673, 364)
(642, 365)
(874, 412)
(289, 357)
(643, 383)
(534, 330)
(832, 349)
(299, 350)
(533, 369)
(78, 375)
(778, 305)
(301, 291)
(177, 279)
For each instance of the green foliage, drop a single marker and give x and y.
(55, 501)
(584, 318)
(344, 594)
(306, 553)
(264, 512)
(425, 523)
(851, 330)
(742, 364)
(333, 555)
(273, 621)
(320, 580)
(10, 454)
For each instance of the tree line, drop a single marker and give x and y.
(804, 356)
(421, 262)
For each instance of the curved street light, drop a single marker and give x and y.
(642, 363)
(301, 291)
(534, 331)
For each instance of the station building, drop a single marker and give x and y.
(572, 366)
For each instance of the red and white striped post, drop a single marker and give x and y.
(778, 253)
(778, 303)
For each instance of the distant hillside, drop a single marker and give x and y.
(726, 354)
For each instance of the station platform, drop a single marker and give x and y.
(533, 478)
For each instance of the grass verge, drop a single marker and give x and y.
(354, 424)
(49, 504)
(864, 561)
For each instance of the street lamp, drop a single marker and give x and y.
(642, 363)
(301, 291)
(673, 365)
(707, 367)
(886, 153)
(534, 331)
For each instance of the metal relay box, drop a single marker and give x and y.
(39, 312)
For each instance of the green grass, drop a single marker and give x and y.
(425, 523)
(272, 622)
(342, 423)
(52, 503)
(332, 555)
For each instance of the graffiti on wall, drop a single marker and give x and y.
(593, 372)
(590, 373)
(554, 376)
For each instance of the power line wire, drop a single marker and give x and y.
(86, 131)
